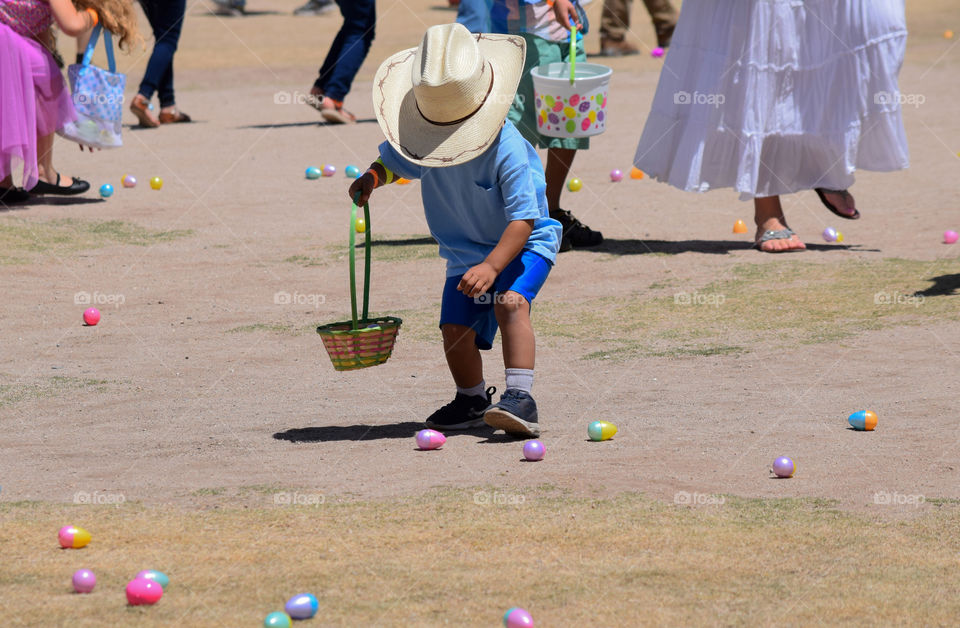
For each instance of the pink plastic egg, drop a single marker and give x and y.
(430, 439)
(129, 181)
(949, 237)
(616, 175)
(516, 617)
(84, 581)
(91, 316)
(657, 52)
(533, 450)
(329, 170)
(141, 591)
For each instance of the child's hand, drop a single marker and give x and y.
(477, 280)
(566, 13)
(363, 185)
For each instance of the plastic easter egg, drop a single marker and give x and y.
(91, 316)
(430, 439)
(129, 181)
(829, 234)
(156, 183)
(657, 53)
(864, 420)
(839, 237)
(616, 175)
(783, 467)
(402, 181)
(106, 190)
(352, 172)
(533, 450)
(329, 170)
(302, 606)
(73, 537)
(143, 592)
(950, 237)
(739, 227)
(601, 430)
(313, 172)
(156, 576)
(574, 184)
(277, 619)
(636, 173)
(948, 34)
(84, 581)
(360, 225)
(516, 617)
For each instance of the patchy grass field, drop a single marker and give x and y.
(463, 557)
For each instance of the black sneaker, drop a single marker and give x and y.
(464, 412)
(515, 414)
(575, 233)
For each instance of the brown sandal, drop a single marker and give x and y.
(139, 106)
(333, 112)
(176, 116)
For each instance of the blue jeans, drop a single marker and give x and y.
(475, 15)
(349, 47)
(166, 18)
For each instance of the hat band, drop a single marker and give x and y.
(466, 117)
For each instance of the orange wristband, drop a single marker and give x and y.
(376, 179)
(93, 16)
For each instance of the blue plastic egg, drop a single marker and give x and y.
(352, 172)
(106, 190)
(277, 619)
(157, 576)
(313, 172)
(302, 606)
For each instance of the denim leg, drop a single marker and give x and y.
(475, 15)
(166, 20)
(349, 48)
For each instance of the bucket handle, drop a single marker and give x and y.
(353, 261)
(572, 55)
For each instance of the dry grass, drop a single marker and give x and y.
(443, 559)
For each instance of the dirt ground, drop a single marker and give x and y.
(202, 376)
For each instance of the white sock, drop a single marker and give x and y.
(474, 391)
(521, 379)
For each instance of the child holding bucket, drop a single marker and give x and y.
(545, 26)
(441, 107)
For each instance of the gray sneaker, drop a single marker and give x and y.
(515, 414)
(315, 7)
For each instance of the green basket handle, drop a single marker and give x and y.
(572, 55)
(353, 261)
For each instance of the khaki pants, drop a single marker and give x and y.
(615, 19)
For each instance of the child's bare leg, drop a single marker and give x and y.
(463, 356)
(45, 158)
(513, 317)
(559, 161)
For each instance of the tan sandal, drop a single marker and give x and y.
(174, 117)
(333, 112)
(139, 106)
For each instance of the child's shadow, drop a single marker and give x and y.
(407, 429)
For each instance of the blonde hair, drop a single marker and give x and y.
(116, 16)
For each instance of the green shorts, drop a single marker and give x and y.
(523, 112)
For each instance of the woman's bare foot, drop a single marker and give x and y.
(768, 214)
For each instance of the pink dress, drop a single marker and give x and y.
(34, 100)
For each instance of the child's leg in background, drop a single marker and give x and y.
(349, 48)
(463, 356)
(559, 161)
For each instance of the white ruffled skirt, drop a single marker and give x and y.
(775, 96)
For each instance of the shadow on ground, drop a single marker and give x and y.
(407, 429)
(613, 246)
(943, 286)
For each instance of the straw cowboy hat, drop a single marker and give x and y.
(442, 103)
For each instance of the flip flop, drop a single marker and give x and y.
(822, 193)
(77, 186)
(775, 234)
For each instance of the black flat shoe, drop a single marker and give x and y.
(11, 196)
(77, 186)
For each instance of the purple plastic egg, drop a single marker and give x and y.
(430, 439)
(533, 450)
(830, 234)
(783, 467)
(616, 175)
(84, 581)
(329, 170)
(657, 52)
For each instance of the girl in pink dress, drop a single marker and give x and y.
(34, 100)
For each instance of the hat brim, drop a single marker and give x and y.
(439, 145)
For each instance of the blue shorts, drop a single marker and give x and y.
(524, 275)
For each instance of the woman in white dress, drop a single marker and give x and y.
(771, 97)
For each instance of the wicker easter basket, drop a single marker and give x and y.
(364, 341)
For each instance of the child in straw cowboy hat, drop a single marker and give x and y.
(442, 107)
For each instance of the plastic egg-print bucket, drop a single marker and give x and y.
(566, 109)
